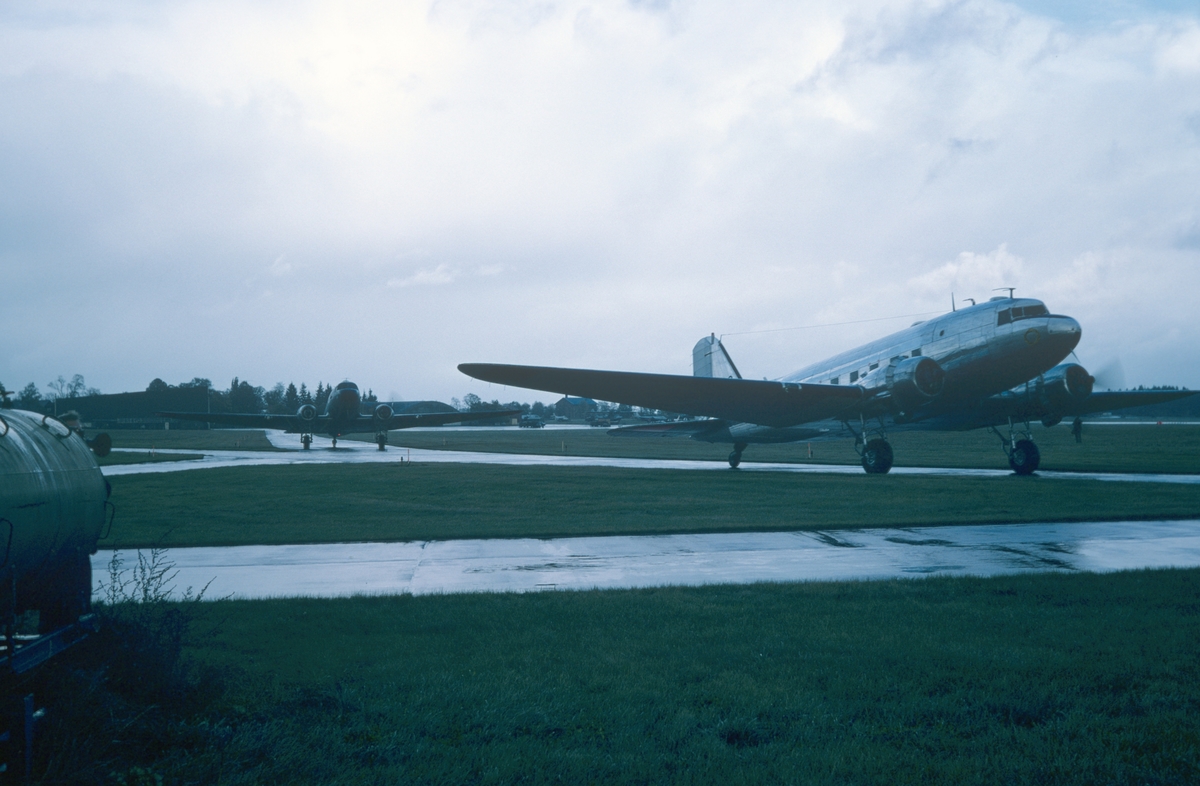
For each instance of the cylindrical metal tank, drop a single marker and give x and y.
(52, 511)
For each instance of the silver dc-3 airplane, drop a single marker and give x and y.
(996, 365)
(342, 415)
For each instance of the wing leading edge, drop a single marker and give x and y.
(763, 403)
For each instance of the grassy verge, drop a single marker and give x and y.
(1021, 679)
(149, 457)
(191, 439)
(1104, 448)
(397, 502)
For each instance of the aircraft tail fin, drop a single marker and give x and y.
(710, 359)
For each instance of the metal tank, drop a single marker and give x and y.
(52, 511)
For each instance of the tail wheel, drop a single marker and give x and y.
(1024, 457)
(877, 457)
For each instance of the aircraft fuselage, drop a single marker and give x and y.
(342, 408)
(983, 350)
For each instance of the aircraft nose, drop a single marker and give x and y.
(1064, 330)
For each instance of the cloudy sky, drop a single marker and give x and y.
(380, 191)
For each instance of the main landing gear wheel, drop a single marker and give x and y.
(735, 458)
(1024, 457)
(306, 441)
(381, 440)
(877, 457)
(335, 443)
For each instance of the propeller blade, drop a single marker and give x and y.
(1111, 376)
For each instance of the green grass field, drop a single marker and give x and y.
(397, 502)
(1105, 448)
(144, 457)
(1078, 678)
(191, 439)
(1021, 679)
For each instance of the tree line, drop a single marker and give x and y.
(241, 396)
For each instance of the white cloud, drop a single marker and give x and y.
(632, 176)
(281, 267)
(971, 275)
(441, 274)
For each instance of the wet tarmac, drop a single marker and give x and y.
(526, 565)
(352, 452)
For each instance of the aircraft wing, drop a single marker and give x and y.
(1110, 400)
(764, 403)
(442, 418)
(680, 428)
(996, 410)
(364, 424)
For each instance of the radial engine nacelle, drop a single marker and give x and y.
(383, 412)
(307, 412)
(1060, 390)
(908, 383)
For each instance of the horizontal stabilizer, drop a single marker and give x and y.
(739, 400)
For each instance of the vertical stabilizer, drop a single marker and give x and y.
(709, 359)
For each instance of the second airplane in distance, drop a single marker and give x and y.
(343, 415)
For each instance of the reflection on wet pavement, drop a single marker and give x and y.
(350, 452)
(523, 565)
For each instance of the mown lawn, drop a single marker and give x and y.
(143, 457)
(1105, 448)
(1018, 679)
(399, 502)
(190, 439)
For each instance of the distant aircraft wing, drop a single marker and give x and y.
(364, 424)
(680, 428)
(1110, 400)
(285, 422)
(996, 410)
(442, 418)
(738, 400)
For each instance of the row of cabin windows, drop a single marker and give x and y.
(854, 375)
(1019, 312)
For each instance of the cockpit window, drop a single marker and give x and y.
(347, 386)
(1020, 312)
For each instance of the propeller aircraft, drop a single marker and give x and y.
(996, 365)
(342, 416)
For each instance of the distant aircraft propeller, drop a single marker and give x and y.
(1111, 376)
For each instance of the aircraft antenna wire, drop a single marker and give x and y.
(831, 324)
